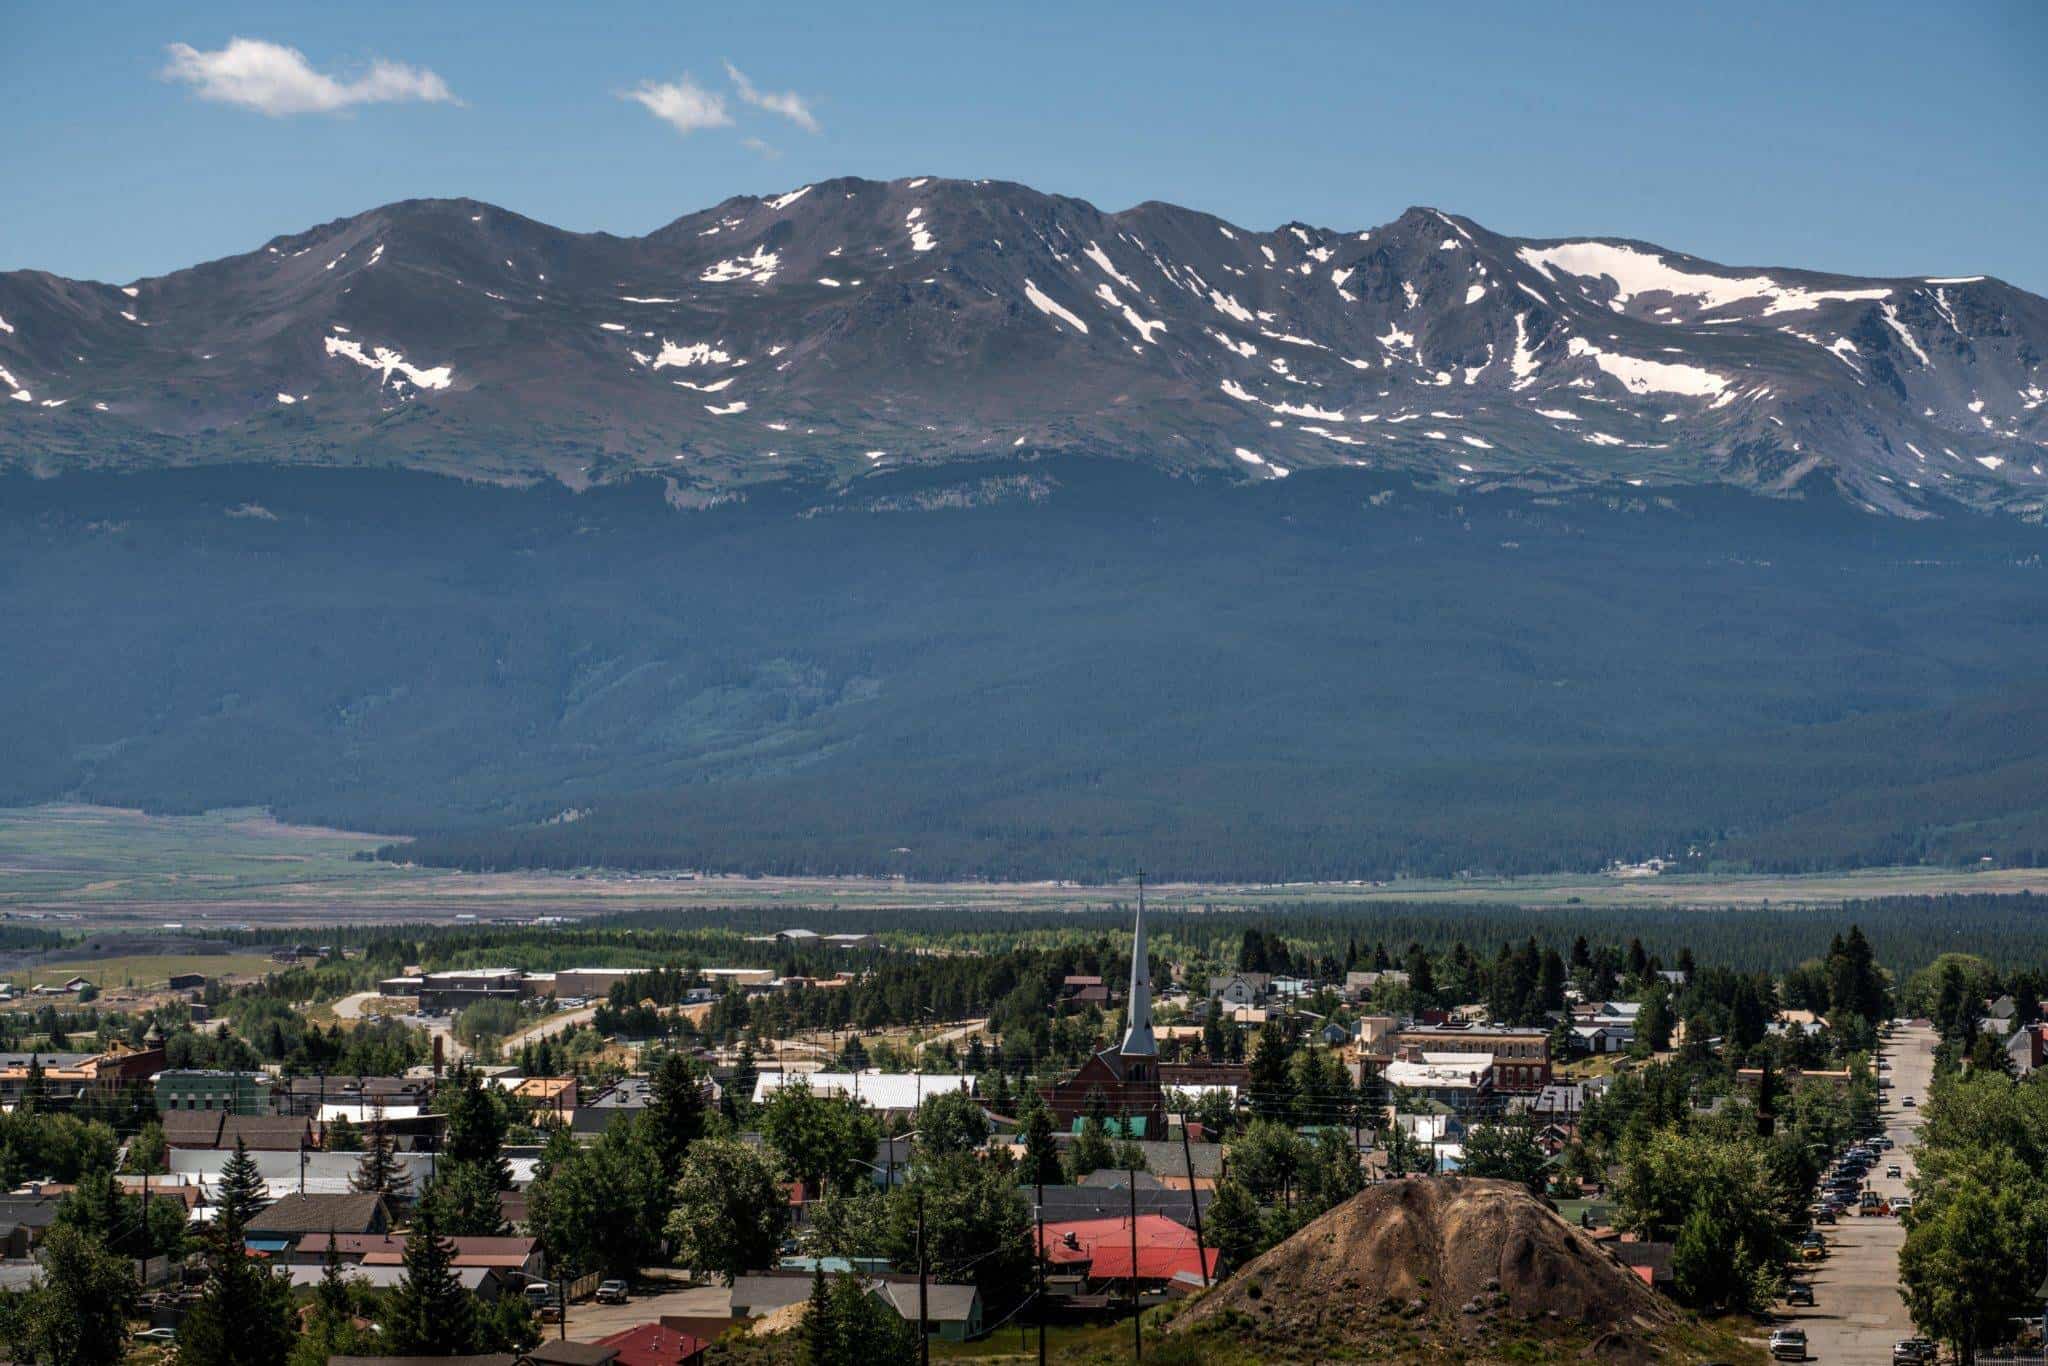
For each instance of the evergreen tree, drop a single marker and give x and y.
(676, 1111)
(1091, 1150)
(241, 1190)
(1041, 1153)
(821, 1332)
(1234, 1228)
(378, 1169)
(428, 1313)
(244, 1315)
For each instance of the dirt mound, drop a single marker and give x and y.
(1418, 1268)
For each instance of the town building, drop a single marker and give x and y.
(1521, 1057)
(235, 1093)
(1120, 1084)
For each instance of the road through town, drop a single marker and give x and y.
(1857, 1313)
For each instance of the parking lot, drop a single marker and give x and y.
(1857, 1313)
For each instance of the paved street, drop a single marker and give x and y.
(1857, 1314)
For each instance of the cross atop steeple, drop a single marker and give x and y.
(1138, 1042)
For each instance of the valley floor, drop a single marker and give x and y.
(114, 868)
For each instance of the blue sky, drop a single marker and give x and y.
(1873, 138)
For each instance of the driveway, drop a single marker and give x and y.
(1857, 1313)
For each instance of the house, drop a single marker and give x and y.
(187, 981)
(1651, 1261)
(481, 1281)
(655, 1344)
(567, 1352)
(853, 943)
(521, 1255)
(1357, 984)
(1603, 1038)
(952, 1311)
(1153, 1250)
(24, 1219)
(219, 1129)
(1240, 988)
(278, 1227)
(2027, 1048)
(1090, 1202)
(1083, 989)
(626, 1096)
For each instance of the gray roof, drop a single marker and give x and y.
(318, 1214)
(562, 1352)
(946, 1303)
(1086, 1202)
(29, 1211)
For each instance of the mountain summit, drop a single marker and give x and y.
(853, 325)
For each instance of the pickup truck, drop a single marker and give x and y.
(1788, 1344)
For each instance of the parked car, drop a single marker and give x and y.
(1788, 1344)
(1902, 1204)
(1892, 1171)
(1912, 1352)
(1907, 1102)
(157, 1335)
(611, 1292)
(1826, 1215)
(1799, 1293)
(1887, 1143)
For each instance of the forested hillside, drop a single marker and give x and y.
(1038, 669)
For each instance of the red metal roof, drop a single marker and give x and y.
(653, 1344)
(1165, 1248)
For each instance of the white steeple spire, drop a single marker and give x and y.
(1138, 1041)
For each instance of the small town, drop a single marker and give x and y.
(586, 1164)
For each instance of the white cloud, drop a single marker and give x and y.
(762, 148)
(788, 103)
(276, 80)
(684, 105)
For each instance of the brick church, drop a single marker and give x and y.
(1120, 1083)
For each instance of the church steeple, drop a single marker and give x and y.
(1138, 1042)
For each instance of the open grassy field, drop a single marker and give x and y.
(143, 970)
(106, 867)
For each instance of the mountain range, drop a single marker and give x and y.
(849, 328)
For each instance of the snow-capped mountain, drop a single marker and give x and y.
(852, 325)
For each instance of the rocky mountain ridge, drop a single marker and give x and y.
(852, 325)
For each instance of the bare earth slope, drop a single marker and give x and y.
(1425, 1268)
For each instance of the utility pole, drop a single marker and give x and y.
(1137, 1315)
(1194, 1199)
(1039, 1211)
(924, 1341)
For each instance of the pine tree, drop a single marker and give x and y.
(821, 1331)
(241, 1187)
(378, 1170)
(244, 1315)
(1041, 1153)
(428, 1312)
(676, 1111)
